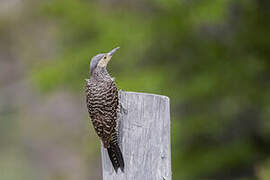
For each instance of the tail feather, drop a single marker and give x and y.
(116, 156)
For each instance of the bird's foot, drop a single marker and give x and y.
(122, 108)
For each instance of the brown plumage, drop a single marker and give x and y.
(102, 105)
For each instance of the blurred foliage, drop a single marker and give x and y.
(211, 57)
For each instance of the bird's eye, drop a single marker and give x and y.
(105, 57)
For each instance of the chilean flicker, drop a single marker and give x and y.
(102, 105)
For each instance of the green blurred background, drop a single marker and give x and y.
(211, 57)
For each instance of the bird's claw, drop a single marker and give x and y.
(123, 109)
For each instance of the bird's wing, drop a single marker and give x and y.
(102, 107)
(110, 109)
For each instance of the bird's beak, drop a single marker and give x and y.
(113, 51)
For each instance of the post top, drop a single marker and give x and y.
(146, 94)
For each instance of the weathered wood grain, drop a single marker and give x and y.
(144, 138)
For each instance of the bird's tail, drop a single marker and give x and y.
(116, 156)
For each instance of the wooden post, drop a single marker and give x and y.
(144, 138)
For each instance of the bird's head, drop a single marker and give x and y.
(101, 60)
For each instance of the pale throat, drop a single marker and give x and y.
(103, 62)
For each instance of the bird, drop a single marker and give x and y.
(102, 104)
